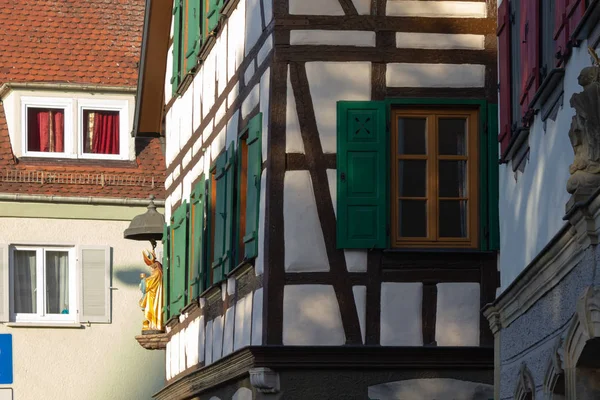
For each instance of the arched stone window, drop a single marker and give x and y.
(525, 389)
(554, 380)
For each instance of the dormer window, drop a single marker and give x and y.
(85, 128)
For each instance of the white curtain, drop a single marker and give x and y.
(25, 282)
(57, 282)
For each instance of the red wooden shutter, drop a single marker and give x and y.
(568, 16)
(575, 11)
(503, 33)
(530, 53)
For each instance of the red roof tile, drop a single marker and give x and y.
(99, 37)
(84, 41)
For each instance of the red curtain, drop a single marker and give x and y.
(45, 130)
(105, 139)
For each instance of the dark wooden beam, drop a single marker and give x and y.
(380, 22)
(348, 7)
(428, 312)
(305, 53)
(274, 249)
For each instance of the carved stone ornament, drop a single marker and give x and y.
(585, 131)
(264, 380)
(525, 384)
(555, 366)
(588, 310)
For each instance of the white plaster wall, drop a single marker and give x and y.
(401, 314)
(362, 6)
(436, 388)
(253, 23)
(420, 8)
(333, 81)
(360, 300)
(311, 316)
(339, 38)
(420, 40)
(52, 363)
(435, 75)
(259, 264)
(532, 205)
(457, 316)
(305, 249)
(316, 7)
(264, 101)
(293, 139)
(257, 317)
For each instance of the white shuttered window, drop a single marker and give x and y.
(54, 284)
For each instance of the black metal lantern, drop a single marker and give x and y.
(146, 226)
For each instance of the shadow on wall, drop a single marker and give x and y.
(130, 277)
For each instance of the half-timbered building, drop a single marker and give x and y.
(331, 224)
(545, 319)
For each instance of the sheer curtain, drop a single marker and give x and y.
(57, 282)
(102, 132)
(25, 281)
(45, 130)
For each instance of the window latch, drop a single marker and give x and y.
(343, 177)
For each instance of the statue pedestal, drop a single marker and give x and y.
(153, 341)
(151, 332)
(579, 198)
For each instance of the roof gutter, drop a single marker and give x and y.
(73, 87)
(97, 201)
(141, 68)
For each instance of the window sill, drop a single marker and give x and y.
(42, 161)
(549, 95)
(436, 250)
(71, 325)
(588, 27)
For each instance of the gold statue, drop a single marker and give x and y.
(152, 293)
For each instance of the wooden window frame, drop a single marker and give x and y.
(472, 157)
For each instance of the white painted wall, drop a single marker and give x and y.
(457, 316)
(316, 7)
(420, 8)
(311, 316)
(436, 388)
(533, 204)
(101, 361)
(305, 249)
(435, 75)
(205, 342)
(420, 40)
(401, 314)
(333, 81)
(338, 38)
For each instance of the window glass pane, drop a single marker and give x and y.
(57, 282)
(412, 178)
(452, 136)
(25, 281)
(100, 132)
(412, 135)
(453, 218)
(453, 178)
(45, 130)
(413, 218)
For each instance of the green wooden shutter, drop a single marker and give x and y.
(230, 219)
(176, 76)
(214, 11)
(253, 141)
(196, 272)
(166, 242)
(220, 218)
(193, 39)
(492, 179)
(362, 146)
(178, 273)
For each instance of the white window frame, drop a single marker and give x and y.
(41, 315)
(65, 104)
(104, 105)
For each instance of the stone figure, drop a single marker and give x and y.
(585, 131)
(152, 293)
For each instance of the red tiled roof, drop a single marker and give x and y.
(89, 42)
(78, 41)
